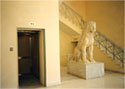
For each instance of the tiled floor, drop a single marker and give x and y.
(110, 80)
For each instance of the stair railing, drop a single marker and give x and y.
(104, 43)
(110, 48)
(70, 14)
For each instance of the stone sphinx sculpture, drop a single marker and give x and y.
(84, 49)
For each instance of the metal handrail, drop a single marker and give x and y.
(110, 48)
(117, 53)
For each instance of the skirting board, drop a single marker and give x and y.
(115, 71)
(53, 84)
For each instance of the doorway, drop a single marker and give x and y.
(29, 59)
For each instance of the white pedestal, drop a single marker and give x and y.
(87, 71)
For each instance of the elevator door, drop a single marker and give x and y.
(24, 54)
(28, 49)
(35, 55)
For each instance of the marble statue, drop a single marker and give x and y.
(84, 49)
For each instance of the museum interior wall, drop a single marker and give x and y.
(44, 15)
(0, 45)
(109, 17)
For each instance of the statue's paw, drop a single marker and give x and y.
(86, 61)
(93, 61)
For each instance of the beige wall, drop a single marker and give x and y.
(19, 14)
(109, 17)
(0, 45)
(66, 46)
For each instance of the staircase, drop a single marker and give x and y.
(76, 22)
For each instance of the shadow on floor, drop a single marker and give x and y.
(29, 81)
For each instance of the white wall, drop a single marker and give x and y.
(43, 14)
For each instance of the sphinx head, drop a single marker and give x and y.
(90, 27)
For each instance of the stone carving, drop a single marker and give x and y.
(84, 49)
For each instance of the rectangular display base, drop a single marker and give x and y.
(87, 71)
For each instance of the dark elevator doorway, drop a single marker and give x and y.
(28, 58)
